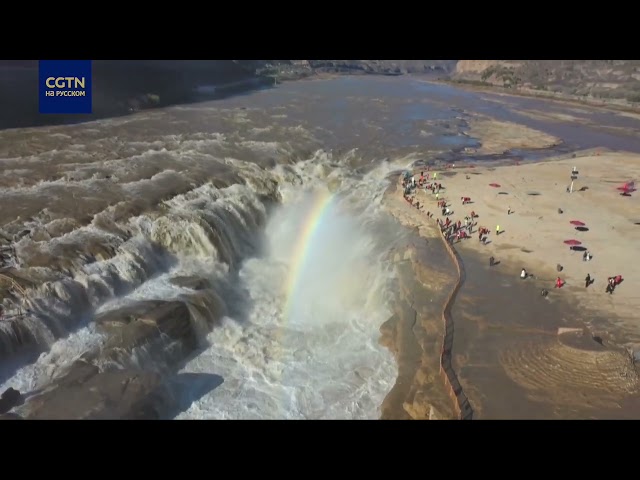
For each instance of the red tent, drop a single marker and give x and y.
(573, 242)
(577, 223)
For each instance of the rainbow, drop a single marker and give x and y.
(304, 245)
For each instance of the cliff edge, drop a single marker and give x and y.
(603, 81)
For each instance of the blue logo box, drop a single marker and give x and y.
(64, 86)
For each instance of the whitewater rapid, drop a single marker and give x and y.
(206, 204)
(308, 354)
(315, 356)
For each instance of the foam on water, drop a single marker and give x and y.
(62, 353)
(323, 360)
(320, 360)
(201, 233)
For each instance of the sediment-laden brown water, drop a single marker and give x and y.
(227, 259)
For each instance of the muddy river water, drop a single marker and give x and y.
(271, 197)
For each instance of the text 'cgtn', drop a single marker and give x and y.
(65, 82)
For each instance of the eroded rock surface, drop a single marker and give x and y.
(107, 384)
(10, 398)
(86, 393)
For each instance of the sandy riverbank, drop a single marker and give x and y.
(498, 137)
(414, 334)
(568, 100)
(533, 234)
(508, 338)
(427, 278)
(506, 335)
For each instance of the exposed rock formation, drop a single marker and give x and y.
(194, 283)
(11, 416)
(86, 393)
(107, 384)
(170, 329)
(9, 399)
(414, 334)
(617, 80)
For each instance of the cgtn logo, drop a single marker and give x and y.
(65, 86)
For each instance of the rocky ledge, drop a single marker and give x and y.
(426, 277)
(132, 374)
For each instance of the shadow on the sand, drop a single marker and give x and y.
(582, 229)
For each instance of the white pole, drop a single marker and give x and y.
(571, 189)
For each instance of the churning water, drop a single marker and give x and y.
(308, 347)
(300, 320)
(271, 199)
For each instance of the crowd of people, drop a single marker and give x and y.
(454, 231)
(462, 229)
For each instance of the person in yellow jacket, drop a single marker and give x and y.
(497, 229)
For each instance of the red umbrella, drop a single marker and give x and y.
(577, 223)
(495, 185)
(573, 242)
(628, 187)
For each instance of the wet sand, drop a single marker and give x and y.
(414, 334)
(506, 334)
(513, 364)
(499, 137)
(533, 235)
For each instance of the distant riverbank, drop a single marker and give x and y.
(477, 86)
(124, 87)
